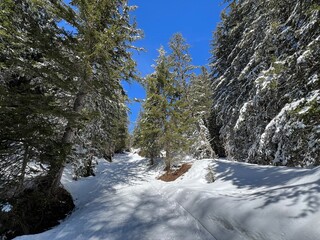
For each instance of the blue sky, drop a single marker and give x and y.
(159, 20)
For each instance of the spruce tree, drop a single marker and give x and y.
(176, 138)
(153, 118)
(104, 36)
(200, 94)
(180, 63)
(61, 89)
(264, 69)
(35, 74)
(165, 122)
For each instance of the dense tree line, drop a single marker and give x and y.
(60, 92)
(265, 72)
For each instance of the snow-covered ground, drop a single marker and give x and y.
(126, 202)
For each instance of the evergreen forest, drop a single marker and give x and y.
(63, 104)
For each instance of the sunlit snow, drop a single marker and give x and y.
(126, 201)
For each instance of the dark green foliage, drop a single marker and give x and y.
(60, 100)
(34, 74)
(265, 67)
(150, 128)
(61, 90)
(176, 107)
(121, 134)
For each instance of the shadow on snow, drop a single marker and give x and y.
(275, 184)
(110, 210)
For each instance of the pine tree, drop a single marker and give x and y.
(121, 135)
(104, 35)
(151, 123)
(177, 129)
(165, 122)
(200, 92)
(61, 89)
(264, 69)
(180, 63)
(35, 74)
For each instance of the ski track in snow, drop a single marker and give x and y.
(122, 202)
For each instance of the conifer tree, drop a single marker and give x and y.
(151, 123)
(165, 122)
(36, 72)
(200, 93)
(176, 138)
(61, 88)
(104, 36)
(180, 62)
(121, 135)
(264, 69)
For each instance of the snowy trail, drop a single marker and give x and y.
(123, 202)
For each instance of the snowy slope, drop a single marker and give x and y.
(125, 201)
(252, 202)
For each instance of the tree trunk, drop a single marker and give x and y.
(168, 160)
(55, 172)
(23, 168)
(151, 162)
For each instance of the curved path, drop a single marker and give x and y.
(122, 202)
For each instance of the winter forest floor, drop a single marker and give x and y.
(126, 201)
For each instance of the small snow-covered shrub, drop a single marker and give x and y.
(210, 176)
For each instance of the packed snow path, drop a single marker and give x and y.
(121, 203)
(125, 201)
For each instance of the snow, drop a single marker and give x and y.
(276, 121)
(304, 110)
(314, 79)
(7, 207)
(305, 55)
(126, 201)
(242, 114)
